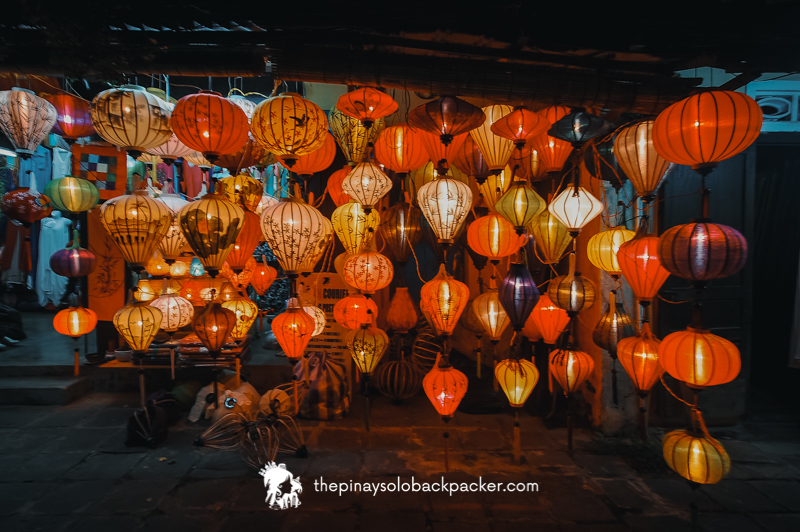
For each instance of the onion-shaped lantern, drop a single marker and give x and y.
(709, 127)
(490, 312)
(578, 126)
(445, 298)
(293, 230)
(492, 236)
(446, 117)
(250, 154)
(445, 203)
(243, 190)
(72, 194)
(289, 126)
(520, 125)
(246, 313)
(366, 184)
(400, 229)
(518, 294)
(353, 311)
(137, 224)
(213, 325)
(293, 329)
(702, 251)
(495, 186)
(369, 272)
(549, 319)
(517, 378)
(318, 160)
(211, 225)
(73, 261)
(367, 104)
(553, 152)
(171, 150)
(173, 243)
(75, 321)
(131, 118)
(208, 123)
(354, 227)
(73, 119)
(138, 323)
(176, 311)
(402, 314)
(636, 154)
(639, 263)
(334, 186)
(400, 149)
(699, 358)
(695, 456)
(572, 292)
(353, 137)
(602, 249)
(427, 174)
(638, 355)
(570, 368)
(495, 149)
(551, 236)
(469, 159)
(246, 242)
(614, 326)
(445, 387)
(520, 204)
(575, 207)
(26, 119)
(367, 344)
(527, 164)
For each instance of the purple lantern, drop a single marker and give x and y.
(73, 261)
(518, 294)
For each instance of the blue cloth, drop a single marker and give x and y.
(41, 163)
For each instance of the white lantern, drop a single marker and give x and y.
(366, 184)
(26, 119)
(173, 243)
(495, 149)
(171, 150)
(575, 207)
(318, 316)
(176, 311)
(294, 230)
(445, 202)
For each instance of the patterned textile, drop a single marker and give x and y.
(328, 392)
(105, 167)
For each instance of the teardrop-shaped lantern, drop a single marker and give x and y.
(213, 325)
(400, 149)
(445, 298)
(470, 160)
(701, 251)
(366, 184)
(699, 358)
(637, 157)
(243, 190)
(572, 292)
(136, 224)
(74, 119)
(552, 237)
(262, 278)
(173, 243)
(25, 119)
(369, 272)
(550, 320)
(570, 368)
(176, 311)
(246, 242)
(639, 263)
(289, 126)
(293, 329)
(520, 204)
(334, 186)
(72, 194)
(246, 313)
(211, 226)
(355, 310)
(614, 326)
(367, 345)
(575, 207)
(553, 152)
(696, 457)
(639, 357)
(353, 137)
(490, 312)
(578, 126)
(445, 387)
(495, 149)
(400, 229)
(492, 236)
(318, 160)
(520, 125)
(445, 203)
(354, 227)
(517, 378)
(602, 249)
(366, 104)
(293, 230)
(402, 314)
(518, 294)
(138, 323)
(73, 261)
(446, 117)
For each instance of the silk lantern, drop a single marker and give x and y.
(402, 314)
(367, 344)
(250, 154)
(144, 291)
(75, 322)
(400, 149)
(138, 323)
(553, 152)
(245, 244)
(170, 150)
(26, 207)
(445, 203)
(289, 126)
(353, 137)
(354, 227)
(25, 119)
(211, 225)
(614, 326)
(246, 313)
(178, 268)
(157, 266)
(213, 325)
(603, 247)
(293, 230)
(638, 355)
(334, 186)
(446, 298)
(517, 378)
(246, 105)
(446, 117)
(490, 312)
(636, 154)
(318, 315)
(353, 311)
(527, 164)
(72, 194)
(176, 311)
(400, 229)
(520, 204)
(242, 190)
(369, 272)
(73, 261)
(520, 125)
(699, 358)
(578, 126)
(318, 160)
(427, 174)
(492, 236)
(697, 457)
(572, 292)
(208, 123)
(293, 329)
(551, 236)
(366, 104)
(701, 251)
(575, 207)
(136, 224)
(442, 155)
(570, 368)
(495, 149)
(73, 118)
(445, 387)
(173, 243)
(518, 294)
(639, 263)
(366, 184)
(469, 159)
(549, 319)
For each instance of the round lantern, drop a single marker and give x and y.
(245, 243)
(636, 154)
(551, 236)
(250, 154)
(696, 457)
(400, 149)
(575, 207)
(366, 184)
(242, 190)
(518, 294)
(176, 311)
(171, 246)
(213, 325)
(402, 314)
(293, 329)
(578, 126)
(131, 118)
(137, 224)
(263, 277)
(469, 159)
(138, 323)
(495, 186)
(289, 126)
(571, 292)
(490, 312)
(639, 263)
(527, 164)
(293, 230)
(445, 203)
(520, 204)
(26, 119)
(400, 229)
(492, 236)
(75, 321)
(354, 228)
(553, 152)
(369, 272)
(614, 326)
(72, 194)
(570, 368)
(517, 378)
(211, 225)
(318, 160)
(367, 344)
(354, 311)
(73, 261)
(397, 379)
(366, 104)
(73, 119)
(445, 387)
(427, 174)
(25, 207)
(549, 319)
(639, 357)
(702, 251)
(446, 116)
(445, 298)
(520, 125)
(171, 150)
(602, 249)
(709, 127)
(699, 358)
(495, 149)
(246, 105)
(334, 186)
(352, 136)
(246, 313)
(208, 123)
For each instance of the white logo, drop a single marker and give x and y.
(282, 487)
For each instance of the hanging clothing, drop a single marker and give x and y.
(50, 288)
(40, 164)
(192, 179)
(15, 255)
(62, 162)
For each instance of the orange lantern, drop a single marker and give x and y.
(639, 160)
(695, 456)
(699, 358)
(367, 104)
(527, 164)
(445, 298)
(213, 325)
(245, 243)
(549, 319)
(400, 149)
(438, 152)
(208, 123)
(334, 186)
(494, 237)
(445, 387)
(402, 314)
(354, 311)
(638, 355)
(446, 117)
(553, 152)
(74, 119)
(520, 125)
(603, 247)
(570, 368)
(709, 127)
(157, 266)
(369, 272)
(639, 263)
(469, 159)
(316, 161)
(289, 126)
(293, 329)
(75, 321)
(262, 278)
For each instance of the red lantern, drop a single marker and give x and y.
(702, 251)
(640, 265)
(354, 311)
(401, 149)
(492, 236)
(316, 161)
(75, 321)
(213, 325)
(74, 119)
(248, 155)
(553, 152)
(334, 186)
(699, 358)
(520, 125)
(638, 355)
(469, 159)
(446, 117)
(73, 261)
(548, 319)
(367, 104)
(208, 123)
(23, 206)
(245, 243)
(438, 152)
(293, 329)
(445, 387)
(262, 278)
(570, 368)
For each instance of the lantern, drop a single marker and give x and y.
(709, 127)
(699, 358)
(26, 119)
(552, 152)
(639, 263)
(72, 194)
(702, 251)
(138, 323)
(520, 204)
(402, 315)
(73, 261)
(530, 331)
(427, 174)
(354, 228)
(369, 272)
(242, 190)
(442, 155)
(518, 294)
(289, 126)
(520, 125)
(176, 311)
(75, 321)
(446, 116)
(318, 160)
(570, 368)
(517, 378)
(246, 313)
(211, 225)
(445, 298)
(73, 119)
(367, 345)
(495, 186)
(400, 229)
(366, 104)
(334, 186)
(352, 136)
(318, 315)
(601, 162)
(696, 457)
(637, 157)
(445, 203)
(492, 236)
(213, 325)
(293, 329)
(196, 268)
(575, 207)
(551, 236)
(245, 243)
(614, 326)
(469, 159)
(397, 379)
(144, 291)
(527, 164)
(250, 154)
(157, 266)
(208, 123)
(571, 292)
(178, 269)
(25, 206)
(354, 311)
(578, 126)
(639, 356)
(490, 312)
(400, 149)
(246, 105)
(262, 278)
(445, 387)
(131, 118)
(549, 319)
(197, 159)
(173, 243)
(495, 149)
(602, 249)
(293, 231)
(366, 184)
(171, 150)
(217, 289)
(137, 224)
(240, 279)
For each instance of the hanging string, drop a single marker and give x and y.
(416, 262)
(674, 302)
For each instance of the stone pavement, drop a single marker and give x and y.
(66, 468)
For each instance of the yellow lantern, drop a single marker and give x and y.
(602, 249)
(490, 312)
(496, 150)
(72, 194)
(246, 313)
(289, 126)
(178, 269)
(210, 226)
(575, 207)
(520, 204)
(368, 272)
(352, 136)
(367, 345)
(137, 224)
(144, 291)
(444, 298)
(517, 378)
(354, 227)
(696, 457)
(293, 231)
(445, 203)
(243, 190)
(366, 184)
(138, 323)
(638, 159)
(427, 173)
(173, 242)
(495, 186)
(550, 235)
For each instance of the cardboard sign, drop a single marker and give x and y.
(324, 290)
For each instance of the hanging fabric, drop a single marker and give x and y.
(62, 160)
(50, 288)
(192, 179)
(15, 255)
(40, 164)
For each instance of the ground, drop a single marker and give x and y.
(66, 468)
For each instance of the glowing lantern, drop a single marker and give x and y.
(639, 356)
(402, 315)
(138, 323)
(445, 298)
(520, 125)
(602, 249)
(445, 203)
(445, 387)
(490, 312)
(75, 321)
(639, 263)
(293, 329)
(709, 127)
(492, 236)
(469, 159)
(427, 174)
(367, 344)
(354, 228)
(696, 457)
(208, 123)
(157, 266)
(137, 224)
(571, 292)
(636, 154)
(246, 105)
(400, 229)
(289, 126)
(170, 150)
(245, 243)
(614, 326)
(702, 250)
(575, 207)
(518, 294)
(173, 243)
(72, 194)
(517, 378)
(552, 152)
(197, 159)
(699, 358)
(26, 119)
(495, 186)
(176, 311)
(144, 291)
(293, 230)
(496, 149)
(178, 269)
(530, 331)
(352, 136)
(131, 118)
(520, 204)
(242, 190)
(369, 272)
(442, 155)
(570, 368)
(196, 268)
(549, 319)
(527, 164)
(246, 313)
(73, 261)
(551, 236)
(367, 104)
(578, 126)
(213, 325)
(318, 160)
(334, 186)
(400, 149)
(366, 184)
(250, 154)
(73, 119)
(354, 311)
(211, 225)
(446, 117)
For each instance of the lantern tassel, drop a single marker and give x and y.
(446, 452)
(478, 358)
(77, 358)
(569, 424)
(517, 443)
(642, 417)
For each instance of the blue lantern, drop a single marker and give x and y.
(196, 268)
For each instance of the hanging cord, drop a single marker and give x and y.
(178, 84)
(674, 302)
(73, 93)
(236, 89)
(416, 262)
